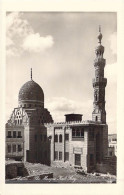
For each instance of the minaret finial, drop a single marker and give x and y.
(100, 28)
(31, 73)
(100, 35)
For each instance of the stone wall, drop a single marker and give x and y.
(15, 169)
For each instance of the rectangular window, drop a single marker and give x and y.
(66, 137)
(14, 134)
(9, 134)
(66, 156)
(60, 138)
(82, 133)
(56, 155)
(14, 148)
(19, 148)
(79, 133)
(60, 155)
(9, 148)
(78, 159)
(73, 133)
(19, 134)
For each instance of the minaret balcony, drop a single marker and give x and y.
(99, 82)
(99, 62)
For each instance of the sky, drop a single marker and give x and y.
(60, 49)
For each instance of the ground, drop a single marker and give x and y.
(63, 175)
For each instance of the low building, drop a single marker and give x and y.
(112, 143)
(78, 143)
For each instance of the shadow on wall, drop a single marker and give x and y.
(109, 165)
(40, 149)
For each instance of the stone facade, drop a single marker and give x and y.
(80, 144)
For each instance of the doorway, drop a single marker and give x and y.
(78, 159)
(19, 171)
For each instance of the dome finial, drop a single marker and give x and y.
(100, 34)
(31, 73)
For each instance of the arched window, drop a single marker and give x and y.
(96, 118)
(60, 138)
(56, 138)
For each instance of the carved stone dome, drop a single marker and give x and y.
(31, 94)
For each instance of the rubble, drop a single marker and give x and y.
(39, 173)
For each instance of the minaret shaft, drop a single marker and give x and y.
(99, 84)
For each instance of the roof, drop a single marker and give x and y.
(75, 123)
(73, 114)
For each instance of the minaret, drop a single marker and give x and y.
(99, 84)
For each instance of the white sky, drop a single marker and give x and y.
(60, 47)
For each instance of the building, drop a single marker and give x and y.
(26, 135)
(31, 134)
(112, 143)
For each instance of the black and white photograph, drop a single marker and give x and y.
(61, 97)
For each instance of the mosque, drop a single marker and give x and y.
(33, 136)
